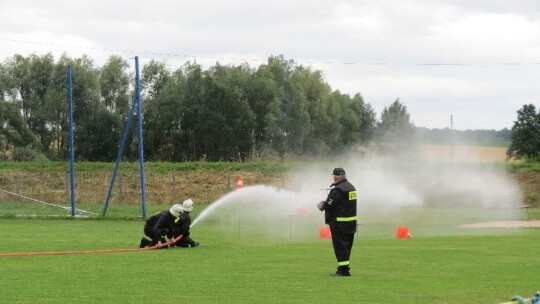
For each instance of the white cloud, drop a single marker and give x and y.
(403, 35)
(492, 38)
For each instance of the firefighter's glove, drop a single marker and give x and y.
(320, 206)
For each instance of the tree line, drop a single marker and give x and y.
(471, 137)
(278, 110)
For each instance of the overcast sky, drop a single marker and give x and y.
(477, 60)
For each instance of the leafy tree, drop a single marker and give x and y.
(260, 91)
(99, 145)
(16, 82)
(56, 109)
(158, 91)
(280, 106)
(154, 77)
(97, 131)
(274, 135)
(278, 110)
(13, 129)
(30, 81)
(323, 129)
(229, 119)
(190, 117)
(114, 84)
(297, 119)
(525, 134)
(4, 87)
(355, 123)
(162, 113)
(173, 119)
(395, 130)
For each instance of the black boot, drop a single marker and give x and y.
(189, 241)
(144, 242)
(342, 271)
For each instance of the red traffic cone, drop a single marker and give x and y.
(240, 183)
(324, 232)
(403, 233)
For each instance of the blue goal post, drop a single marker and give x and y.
(137, 104)
(71, 152)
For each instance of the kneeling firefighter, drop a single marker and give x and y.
(159, 225)
(181, 227)
(162, 224)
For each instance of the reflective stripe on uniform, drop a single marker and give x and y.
(352, 195)
(344, 263)
(176, 220)
(346, 219)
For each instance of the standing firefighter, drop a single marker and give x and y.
(340, 215)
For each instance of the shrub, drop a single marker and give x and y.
(27, 154)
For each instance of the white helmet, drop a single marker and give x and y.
(176, 210)
(188, 205)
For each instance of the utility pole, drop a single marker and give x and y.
(452, 137)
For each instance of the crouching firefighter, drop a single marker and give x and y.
(181, 227)
(159, 225)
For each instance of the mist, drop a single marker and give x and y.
(391, 192)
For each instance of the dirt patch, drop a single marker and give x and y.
(462, 153)
(504, 224)
(529, 182)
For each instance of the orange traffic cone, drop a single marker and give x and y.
(403, 233)
(240, 183)
(324, 232)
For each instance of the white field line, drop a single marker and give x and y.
(80, 211)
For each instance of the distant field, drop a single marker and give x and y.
(462, 153)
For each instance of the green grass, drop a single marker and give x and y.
(156, 167)
(533, 166)
(232, 266)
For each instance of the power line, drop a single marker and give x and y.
(424, 64)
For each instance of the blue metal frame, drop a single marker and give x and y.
(136, 103)
(141, 151)
(71, 152)
(119, 157)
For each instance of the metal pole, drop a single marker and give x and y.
(141, 154)
(71, 152)
(173, 189)
(452, 137)
(17, 186)
(120, 189)
(68, 192)
(238, 216)
(290, 225)
(119, 157)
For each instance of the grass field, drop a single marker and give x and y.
(440, 264)
(266, 261)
